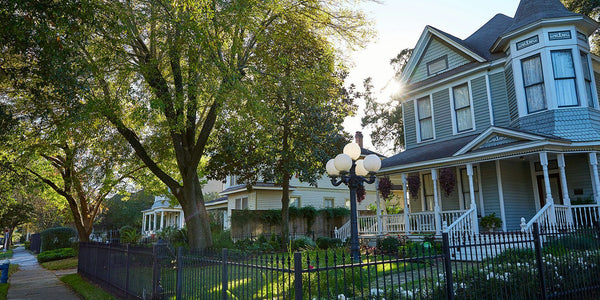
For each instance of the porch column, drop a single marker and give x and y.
(595, 179)
(473, 205)
(144, 220)
(162, 219)
(405, 191)
(563, 185)
(154, 221)
(544, 163)
(379, 224)
(436, 200)
(181, 222)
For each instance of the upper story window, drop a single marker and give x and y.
(587, 77)
(241, 203)
(564, 78)
(425, 118)
(437, 65)
(462, 108)
(328, 202)
(533, 81)
(295, 202)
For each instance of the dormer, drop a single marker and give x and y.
(549, 56)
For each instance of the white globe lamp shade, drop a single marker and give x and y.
(360, 168)
(343, 162)
(353, 150)
(372, 163)
(331, 170)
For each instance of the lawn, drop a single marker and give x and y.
(6, 255)
(67, 263)
(85, 289)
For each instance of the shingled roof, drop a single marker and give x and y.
(531, 11)
(482, 40)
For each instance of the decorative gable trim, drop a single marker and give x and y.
(421, 46)
(496, 136)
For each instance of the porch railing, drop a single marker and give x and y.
(462, 226)
(422, 221)
(450, 216)
(343, 232)
(585, 215)
(393, 223)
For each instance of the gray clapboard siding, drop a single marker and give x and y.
(499, 93)
(518, 193)
(513, 108)
(410, 128)
(480, 103)
(489, 184)
(577, 169)
(597, 79)
(436, 49)
(441, 115)
(452, 201)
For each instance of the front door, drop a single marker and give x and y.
(554, 188)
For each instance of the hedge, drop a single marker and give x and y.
(58, 237)
(56, 254)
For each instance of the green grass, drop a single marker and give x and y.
(6, 255)
(4, 286)
(85, 289)
(67, 263)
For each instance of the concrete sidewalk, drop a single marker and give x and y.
(34, 282)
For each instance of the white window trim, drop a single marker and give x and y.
(332, 202)
(418, 124)
(453, 111)
(299, 201)
(592, 78)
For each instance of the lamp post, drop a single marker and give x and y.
(347, 168)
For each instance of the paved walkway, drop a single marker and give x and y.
(34, 282)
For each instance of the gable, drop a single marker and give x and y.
(435, 52)
(497, 140)
(501, 137)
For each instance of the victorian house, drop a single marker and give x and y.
(503, 122)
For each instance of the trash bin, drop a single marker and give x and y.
(4, 269)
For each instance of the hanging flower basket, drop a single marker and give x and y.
(414, 183)
(385, 187)
(447, 181)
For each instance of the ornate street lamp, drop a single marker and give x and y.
(347, 168)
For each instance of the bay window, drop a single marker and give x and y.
(564, 78)
(425, 118)
(462, 108)
(587, 76)
(533, 81)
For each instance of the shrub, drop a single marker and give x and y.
(514, 255)
(59, 237)
(322, 242)
(27, 245)
(388, 245)
(56, 254)
(176, 237)
(303, 243)
(222, 240)
(129, 235)
(334, 212)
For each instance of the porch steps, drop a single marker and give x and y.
(485, 245)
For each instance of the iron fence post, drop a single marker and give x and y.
(538, 259)
(179, 273)
(447, 266)
(224, 283)
(127, 270)
(298, 275)
(108, 273)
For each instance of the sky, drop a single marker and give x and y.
(399, 24)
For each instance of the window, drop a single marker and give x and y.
(241, 203)
(295, 202)
(348, 203)
(427, 192)
(564, 78)
(587, 76)
(437, 65)
(466, 192)
(328, 202)
(232, 180)
(462, 108)
(533, 81)
(425, 118)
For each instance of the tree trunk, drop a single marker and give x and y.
(285, 211)
(196, 216)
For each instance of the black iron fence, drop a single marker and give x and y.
(554, 263)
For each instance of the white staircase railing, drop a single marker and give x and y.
(544, 218)
(367, 225)
(343, 232)
(465, 225)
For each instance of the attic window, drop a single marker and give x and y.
(437, 65)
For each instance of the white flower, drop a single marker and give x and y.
(341, 297)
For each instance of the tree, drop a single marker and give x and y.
(124, 210)
(293, 121)
(163, 72)
(590, 8)
(385, 118)
(14, 214)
